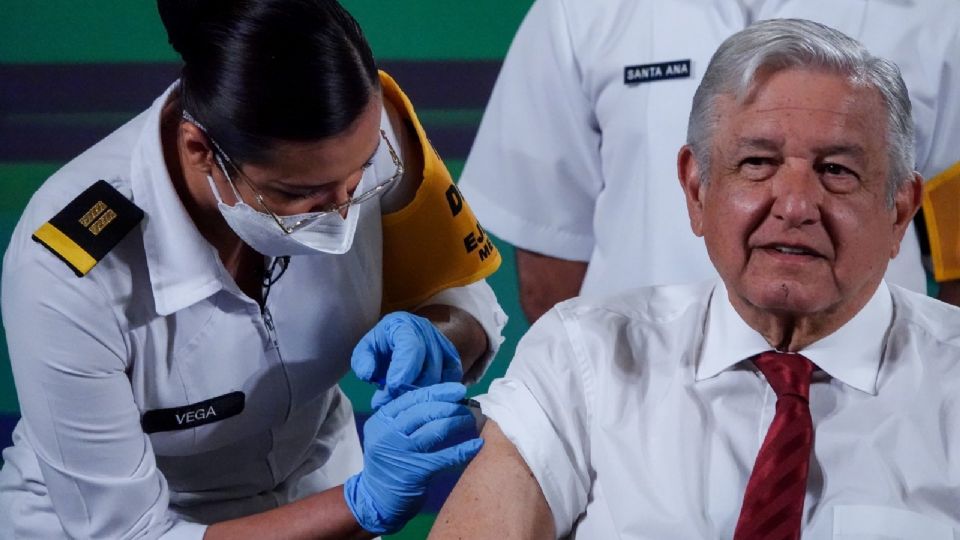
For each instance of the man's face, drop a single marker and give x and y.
(794, 215)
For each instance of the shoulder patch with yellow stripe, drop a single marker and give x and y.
(941, 213)
(435, 242)
(89, 227)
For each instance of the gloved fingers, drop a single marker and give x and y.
(442, 432)
(454, 456)
(380, 398)
(417, 415)
(443, 392)
(367, 361)
(442, 362)
(408, 357)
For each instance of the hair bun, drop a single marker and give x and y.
(184, 21)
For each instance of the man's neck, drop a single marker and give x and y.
(792, 332)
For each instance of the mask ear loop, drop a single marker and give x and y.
(223, 168)
(217, 153)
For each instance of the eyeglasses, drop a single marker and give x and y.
(288, 228)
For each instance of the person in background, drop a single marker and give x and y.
(181, 300)
(798, 394)
(593, 96)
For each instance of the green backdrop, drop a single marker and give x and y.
(45, 39)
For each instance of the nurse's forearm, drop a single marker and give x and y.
(461, 329)
(321, 516)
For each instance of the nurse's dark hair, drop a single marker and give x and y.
(260, 72)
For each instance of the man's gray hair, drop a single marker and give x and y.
(780, 44)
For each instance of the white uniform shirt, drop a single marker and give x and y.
(641, 416)
(572, 162)
(159, 324)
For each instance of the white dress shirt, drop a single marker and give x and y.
(573, 162)
(159, 324)
(641, 416)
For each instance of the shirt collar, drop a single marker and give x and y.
(851, 355)
(184, 267)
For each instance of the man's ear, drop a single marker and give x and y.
(906, 202)
(688, 170)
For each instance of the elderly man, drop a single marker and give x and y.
(801, 394)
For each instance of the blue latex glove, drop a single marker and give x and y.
(405, 443)
(403, 351)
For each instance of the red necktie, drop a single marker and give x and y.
(773, 503)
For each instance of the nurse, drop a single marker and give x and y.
(181, 299)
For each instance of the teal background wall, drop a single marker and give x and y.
(71, 72)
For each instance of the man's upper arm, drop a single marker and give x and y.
(539, 450)
(478, 509)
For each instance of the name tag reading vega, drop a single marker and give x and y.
(195, 415)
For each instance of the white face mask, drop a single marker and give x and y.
(330, 233)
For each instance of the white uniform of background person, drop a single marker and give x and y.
(641, 419)
(573, 163)
(159, 323)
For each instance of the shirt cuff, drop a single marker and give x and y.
(526, 234)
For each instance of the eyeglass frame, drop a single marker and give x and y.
(222, 157)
